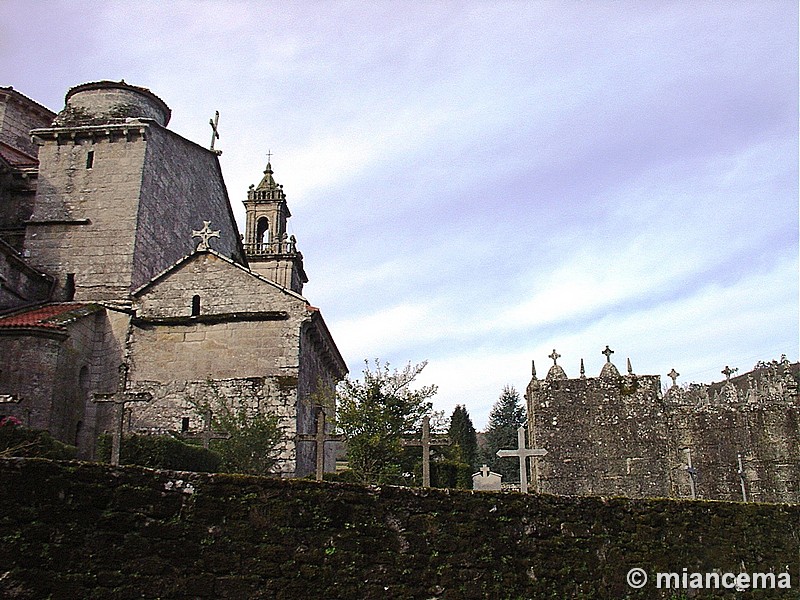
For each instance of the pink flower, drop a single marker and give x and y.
(10, 422)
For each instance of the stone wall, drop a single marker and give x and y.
(51, 375)
(619, 435)
(18, 115)
(182, 186)
(85, 219)
(73, 530)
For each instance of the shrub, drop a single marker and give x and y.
(160, 452)
(31, 443)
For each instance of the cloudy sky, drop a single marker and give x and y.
(477, 183)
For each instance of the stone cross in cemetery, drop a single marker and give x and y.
(205, 234)
(486, 480)
(208, 433)
(120, 398)
(426, 442)
(523, 452)
(214, 132)
(692, 473)
(319, 438)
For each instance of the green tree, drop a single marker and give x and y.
(253, 436)
(374, 413)
(463, 439)
(506, 416)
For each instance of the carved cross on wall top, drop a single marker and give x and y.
(555, 356)
(727, 371)
(205, 234)
(673, 374)
(608, 352)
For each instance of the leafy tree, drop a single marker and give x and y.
(506, 417)
(253, 436)
(374, 413)
(463, 439)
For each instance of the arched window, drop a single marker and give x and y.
(262, 232)
(195, 305)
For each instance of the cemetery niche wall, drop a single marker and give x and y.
(619, 435)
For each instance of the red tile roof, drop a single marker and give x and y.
(50, 316)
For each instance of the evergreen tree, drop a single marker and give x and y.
(506, 417)
(463, 439)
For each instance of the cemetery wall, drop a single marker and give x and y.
(619, 435)
(84, 530)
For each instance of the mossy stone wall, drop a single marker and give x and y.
(81, 530)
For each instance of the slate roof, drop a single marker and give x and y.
(49, 316)
(17, 158)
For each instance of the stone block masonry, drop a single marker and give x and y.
(79, 530)
(618, 435)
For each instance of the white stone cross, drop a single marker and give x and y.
(426, 442)
(320, 437)
(673, 374)
(205, 235)
(120, 398)
(523, 453)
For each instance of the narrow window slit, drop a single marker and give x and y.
(90, 159)
(195, 305)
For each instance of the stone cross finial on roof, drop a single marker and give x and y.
(727, 371)
(205, 234)
(608, 352)
(214, 132)
(555, 356)
(269, 156)
(673, 374)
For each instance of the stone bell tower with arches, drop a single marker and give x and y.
(270, 250)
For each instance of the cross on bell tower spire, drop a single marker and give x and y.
(271, 251)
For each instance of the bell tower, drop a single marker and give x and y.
(270, 251)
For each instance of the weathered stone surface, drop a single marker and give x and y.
(96, 531)
(619, 436)
(117, 200)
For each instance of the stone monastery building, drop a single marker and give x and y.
(122, 272)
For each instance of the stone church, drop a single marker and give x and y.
(620, 434)
(123, 274)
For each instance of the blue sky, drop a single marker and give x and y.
(477, 183)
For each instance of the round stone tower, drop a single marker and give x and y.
(102, 102)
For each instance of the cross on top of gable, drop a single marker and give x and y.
(205, 234)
